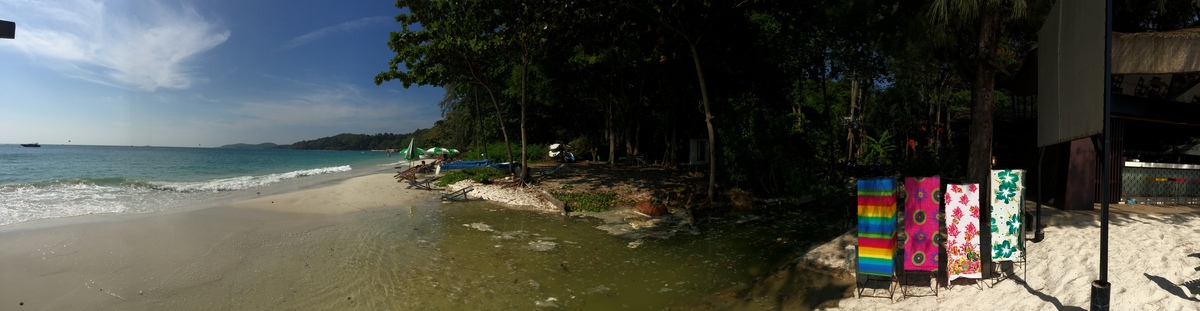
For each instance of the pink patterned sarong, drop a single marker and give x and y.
(924, 197)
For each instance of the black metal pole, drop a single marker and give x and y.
(1038, 233)
(1102, 289)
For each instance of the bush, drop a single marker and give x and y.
(478, 174)
(497, 153)
(587, 201)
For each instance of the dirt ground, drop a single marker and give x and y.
(799, 285)
(683, 187)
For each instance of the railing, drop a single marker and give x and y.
(1160, 183)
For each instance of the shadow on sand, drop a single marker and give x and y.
(1044, 297)
(800, 286)
(1172, 288)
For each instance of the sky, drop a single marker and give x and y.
(201, 73)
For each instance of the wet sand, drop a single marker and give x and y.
(225, 257)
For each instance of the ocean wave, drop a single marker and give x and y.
(244, 182)
(74, 197)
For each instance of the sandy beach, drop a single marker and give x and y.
(1148, 249)
(336, 247)
(226, 257)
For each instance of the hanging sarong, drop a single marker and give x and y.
(923, 199)
(876, 226)
(962, 231)
(1007, 200)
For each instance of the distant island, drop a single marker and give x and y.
(347, 141)
(358, 142)
(258, 146)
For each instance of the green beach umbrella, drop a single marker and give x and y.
(453, 151)
(437, 150)
(411, 153)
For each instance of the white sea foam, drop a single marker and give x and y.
(246, 182)
(25, 202)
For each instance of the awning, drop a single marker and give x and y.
(1176, 51)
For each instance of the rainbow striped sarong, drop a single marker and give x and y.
(876, 226)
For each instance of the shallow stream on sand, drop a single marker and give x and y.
(477, 256)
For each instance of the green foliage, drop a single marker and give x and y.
(878, 150)
(588, 201)
(355, 142)
(478, 174)
(944, 163)
(752, 152)
(622, 74)
(497, 153)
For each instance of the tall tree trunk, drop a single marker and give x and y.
(982, 107)
(982, 99)
(503, 130)
(495, 103)
(637, 133)
(524, 156)
(850, 130)
(479, 115)
(674, 146)
(612, 136)
(712, 135)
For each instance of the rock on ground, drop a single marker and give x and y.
(514, 196)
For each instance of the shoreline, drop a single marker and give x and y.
(172, 259)
(313, 245)
(356, 243)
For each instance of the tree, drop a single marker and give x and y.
(443, 42)
(987, 13)
(685, 19)
(532, 29)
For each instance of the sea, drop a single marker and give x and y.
(55, 181)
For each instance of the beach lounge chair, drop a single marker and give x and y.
(1008, 225)
(411, 177)
(426, 184)
(460, 194)
(429, 167)
(406, 172)
(876, 234)
(550, 173)
(409, 173)
(923, 198)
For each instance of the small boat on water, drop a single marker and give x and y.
(31, 145)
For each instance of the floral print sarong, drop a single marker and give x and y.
(1007, 200)
(962, 230)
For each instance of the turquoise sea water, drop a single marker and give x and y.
(60, 181)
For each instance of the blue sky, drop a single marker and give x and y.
(201, 73)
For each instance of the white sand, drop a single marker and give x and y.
(352, 195)
(1147, 261)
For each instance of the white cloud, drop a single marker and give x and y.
(144, 45)
(346, 26)
(329, 106)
